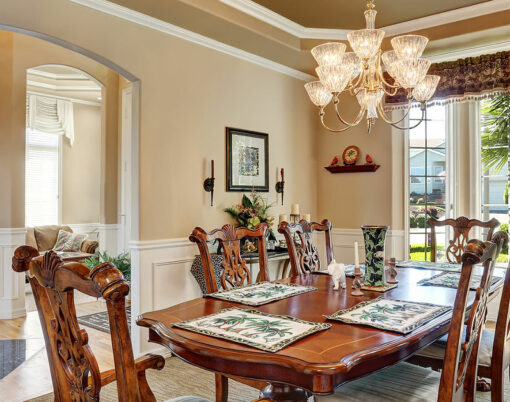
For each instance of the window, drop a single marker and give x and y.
(428, 179)
(493, 147)
(42, 178)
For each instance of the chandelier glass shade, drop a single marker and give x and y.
(360, 73)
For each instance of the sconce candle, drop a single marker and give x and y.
(283, 218)
(306, 217)
(294, 209)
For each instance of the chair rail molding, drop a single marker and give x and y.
(107, 234)
(136, 17)
(12, 284)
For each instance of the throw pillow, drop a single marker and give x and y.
(69, 241)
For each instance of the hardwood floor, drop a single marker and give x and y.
(18, 385)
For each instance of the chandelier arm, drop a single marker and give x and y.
(381, 76)
(394, 123)
(390, 93)
(333, 130)
(355, 85)
(356, 120)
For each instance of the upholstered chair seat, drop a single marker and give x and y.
(404, 383)
(437, 349)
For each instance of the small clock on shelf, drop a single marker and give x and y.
(351, 155)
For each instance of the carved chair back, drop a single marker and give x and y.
(74, 369)
(304, 258)
(235, 270)
(461, 228)
(501, 347)
(458, 377)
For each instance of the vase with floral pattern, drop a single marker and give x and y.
(375, 237)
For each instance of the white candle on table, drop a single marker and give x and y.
(294, 209)
(306, 217)
(356, 255)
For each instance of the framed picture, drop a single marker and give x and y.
(247, 160)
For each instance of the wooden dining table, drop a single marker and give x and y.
(319, 363)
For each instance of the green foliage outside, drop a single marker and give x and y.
(495, 120)
(122, 262)
(417, 252)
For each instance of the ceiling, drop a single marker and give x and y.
(348, 14)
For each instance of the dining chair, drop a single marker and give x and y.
(461, 228)
(457, 381)
(304, 258)
(235, 273)
(74, 370)
(494, 356)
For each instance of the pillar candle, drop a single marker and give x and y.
(294, 209)
(306, 217)
(356, 255)
(283, 218)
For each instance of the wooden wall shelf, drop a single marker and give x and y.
(352, 169)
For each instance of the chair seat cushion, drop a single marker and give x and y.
(437, 349)
(403, 382)
(188, 399)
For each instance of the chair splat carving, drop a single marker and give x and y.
(235, 270)
(304, 257)
(461, 228)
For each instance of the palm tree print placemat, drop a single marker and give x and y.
(438, 266)
(254, 328)
(451, 280)
(391, 315)
(262, 293)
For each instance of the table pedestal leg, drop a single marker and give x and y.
(282, 393)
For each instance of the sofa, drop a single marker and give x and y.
(43, 238)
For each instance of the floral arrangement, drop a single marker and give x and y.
(252, 210)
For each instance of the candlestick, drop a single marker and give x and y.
(279, 184)
(209, 183)
(356, 283)
(393, 271)
(294, 209)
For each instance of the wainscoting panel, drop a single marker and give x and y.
(12, 284)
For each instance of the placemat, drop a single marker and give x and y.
(451, 280)
(254, 328)
(438, 266)
(261, 293)
(391, 315)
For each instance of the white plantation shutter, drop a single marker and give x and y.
(41, 178)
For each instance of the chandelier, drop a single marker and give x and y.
(360, 74)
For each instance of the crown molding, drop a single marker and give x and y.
(270, 17)
(472, 51)
(136, 17)
(45, 74)
(53, 87)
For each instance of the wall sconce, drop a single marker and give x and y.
(209, 183)
(280, 185)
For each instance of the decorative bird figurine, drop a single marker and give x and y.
(369, 159)
(334, 161)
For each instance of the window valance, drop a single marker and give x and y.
(466, 79)
(51, 115)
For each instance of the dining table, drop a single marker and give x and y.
(316, 364)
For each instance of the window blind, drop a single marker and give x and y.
(41, 178)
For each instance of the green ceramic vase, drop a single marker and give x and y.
(375, 237)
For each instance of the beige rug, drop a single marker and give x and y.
(179, 378)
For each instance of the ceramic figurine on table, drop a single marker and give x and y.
(375, 237)
(337, 272)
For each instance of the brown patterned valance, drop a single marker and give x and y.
(466, 79)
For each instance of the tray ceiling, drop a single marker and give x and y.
(348, 14)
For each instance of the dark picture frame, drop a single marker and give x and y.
(247, 160)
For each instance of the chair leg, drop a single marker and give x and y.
(221, 388)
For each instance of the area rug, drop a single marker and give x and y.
(179, 378)
(100, 321)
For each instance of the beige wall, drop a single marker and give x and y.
(81, 176)
(355, 199)
(20, 52)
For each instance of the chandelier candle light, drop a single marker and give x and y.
(360, 73)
